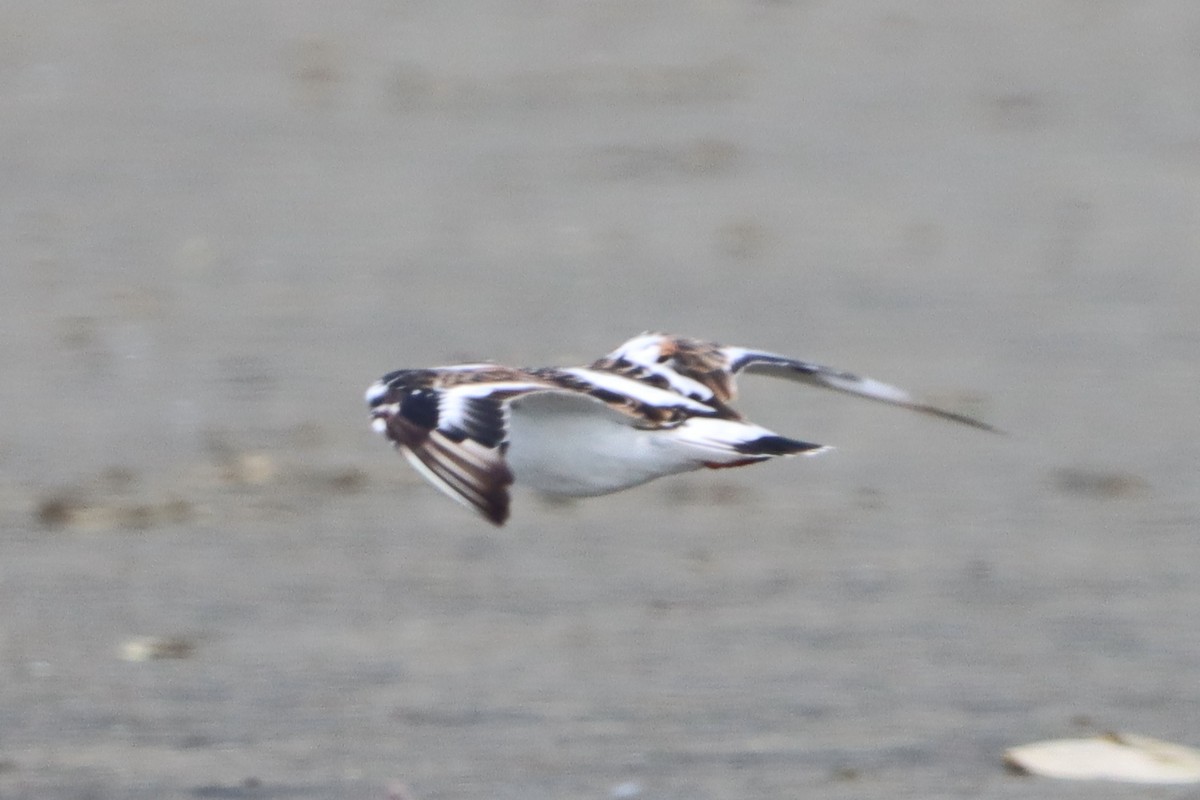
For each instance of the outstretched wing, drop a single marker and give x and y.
(706, 372)
(757, 362)
(455, 436)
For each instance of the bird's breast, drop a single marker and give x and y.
(585, 454)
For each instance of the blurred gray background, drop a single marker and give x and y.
(220, 221)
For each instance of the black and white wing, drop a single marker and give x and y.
(706, 372)
(455, 435)
(756, 362)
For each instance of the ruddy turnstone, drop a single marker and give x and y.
(657, 405)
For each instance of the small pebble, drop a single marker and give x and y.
(153, 648)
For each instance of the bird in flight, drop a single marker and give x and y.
(657, 405)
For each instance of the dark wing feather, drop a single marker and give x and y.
(756, 362)
(482, 419)
(467, 470)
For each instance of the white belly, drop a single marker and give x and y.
(579, 448)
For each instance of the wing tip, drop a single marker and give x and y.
(495, 514)
(488, 495)
(961, 419)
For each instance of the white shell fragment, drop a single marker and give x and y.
(1125, 757)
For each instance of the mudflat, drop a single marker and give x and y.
(221, 222)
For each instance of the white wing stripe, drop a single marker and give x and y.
(637, 390)
(437, 480)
